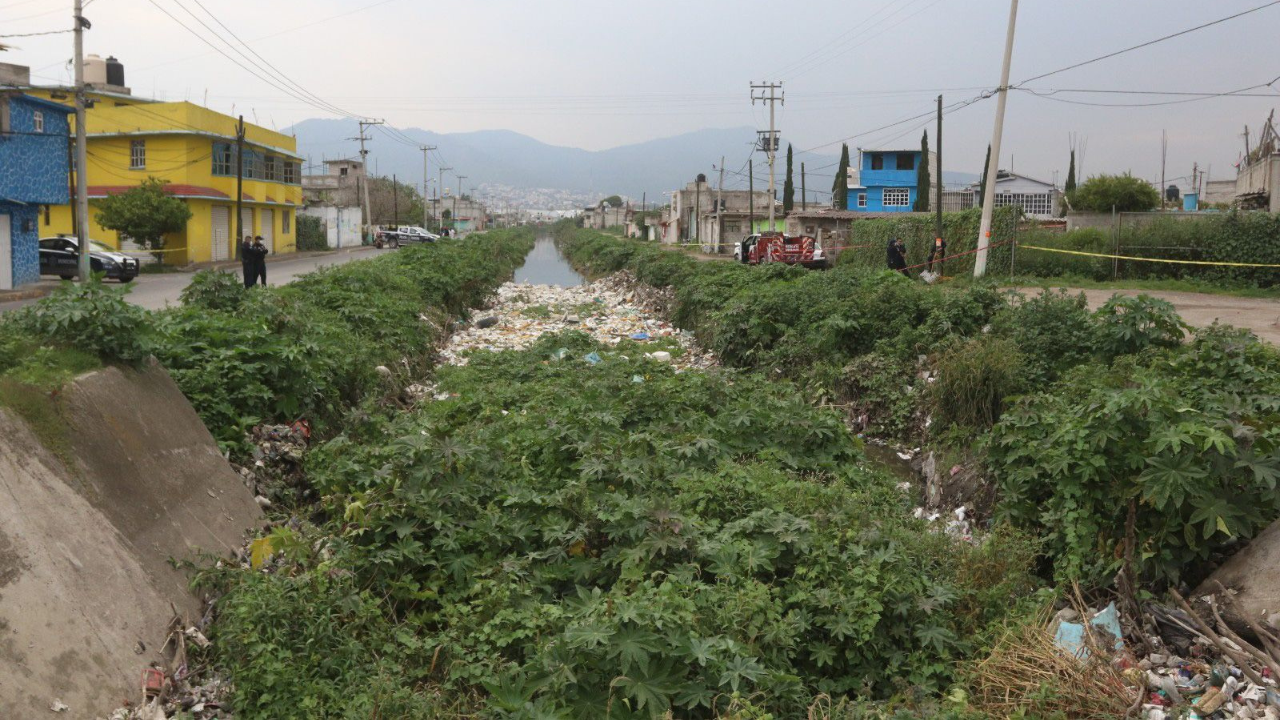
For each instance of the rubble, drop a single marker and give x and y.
(610, 310)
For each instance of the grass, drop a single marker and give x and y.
(1192, 286)
(31, 377)
(40, 410)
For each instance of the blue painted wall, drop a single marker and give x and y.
(33, 172)
(889, 176)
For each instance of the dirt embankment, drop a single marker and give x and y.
(86, 536)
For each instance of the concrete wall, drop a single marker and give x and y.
(86, 587)
(1108, 222)
(341, 224)
(1261, 177)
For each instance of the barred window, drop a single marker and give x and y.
(897, 197)
(138, 155)
(862, 200)
(273, 168)
(291, 172)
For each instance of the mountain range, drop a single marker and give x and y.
(505, 157)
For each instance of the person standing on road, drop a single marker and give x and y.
(898, 257)
(259, 260)
(248, 271)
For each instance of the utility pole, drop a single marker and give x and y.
(240, 188)
(697, 208)
(993, 167)
(751, 197)
(1164, 157)
(395, 200)
(938, 222)
(368, 215)
(804, 194)
(82, 153)
(1247, 150)
(720, 208)
(773, 98)
(425, 149)
(455, 199)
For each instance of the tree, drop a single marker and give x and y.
(923, 181)
(788, 186)
(840, 187)
(1124, 193)
(390, 201)
(982, 185)
(144, 214)
(1070, 187)
(612, 201)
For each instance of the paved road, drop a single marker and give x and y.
(153, 292)
(1260, 315)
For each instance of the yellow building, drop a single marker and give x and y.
(193, 149)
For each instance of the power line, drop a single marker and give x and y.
(1194, 97)
(1148, 43)
(847, 47)
(34, 34)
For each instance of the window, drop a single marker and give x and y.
(47, 219)
(877, 161)
(342, 172)
(38, 120)
(862, 200)
(284, 222)
(291, 172)
(223, 159)
(897, 197)
(1031, 203)
(272, 167)
(138, 155)
(906, 161)
(252, 164)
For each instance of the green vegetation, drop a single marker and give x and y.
(789, 185)
(1178, 285)
(563, 538)
(1074, 413)
(311, 234)
(960, 230)
(145, 213)
(1121, 193)
(840, 186)
(923, 181)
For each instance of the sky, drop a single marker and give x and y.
(597, 75)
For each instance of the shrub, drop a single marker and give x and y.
(1123, 193)
(90, 317)
(1130, 324)
(214, 290)
(1054, 331)
(311, 235)
(973, 378)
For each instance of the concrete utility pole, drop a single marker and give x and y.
(1164, 157)
(455, 199)
(368, 214)
(720, 207)
(751, 197)
(240, 189)
(395, 200)
(82, 153)
(804, 205)
(993, 167)
(773, 98)
(425, 149)
(938, 223)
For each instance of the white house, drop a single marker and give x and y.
(1038, 199)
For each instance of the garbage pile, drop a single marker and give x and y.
(172, 690)
(610, 310)
(277, 457)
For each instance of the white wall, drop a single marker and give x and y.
(342, 224)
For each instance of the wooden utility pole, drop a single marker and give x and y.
(993, 167)
(82, 153)
(455, 200)
(240, 188)
(395, 201)
(751, 197)
(773, 98)
(804, 194)
(938, 195)
(1164, 157)
(425, 149)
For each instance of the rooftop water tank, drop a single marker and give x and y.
(115, 72)
(95, 70)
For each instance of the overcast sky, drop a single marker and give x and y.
(597, 75)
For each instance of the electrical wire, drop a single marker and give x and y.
(1195, 97)
(1148, 43)
(34, 34)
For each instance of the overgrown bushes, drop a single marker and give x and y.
(570, 540)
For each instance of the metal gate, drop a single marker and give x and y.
(221, 233)
(268, 229)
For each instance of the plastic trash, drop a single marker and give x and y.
(488, 322)
(593, 358)
(1070, 636)
(661, 356)
(641, 336)
(637, 379)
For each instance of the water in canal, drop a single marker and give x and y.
(546, 266)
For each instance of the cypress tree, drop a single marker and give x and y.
(982, 187)
(840, 187)
(788, 186)
(923, 181)
(1070, 187)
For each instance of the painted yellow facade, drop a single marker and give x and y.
(192, 149)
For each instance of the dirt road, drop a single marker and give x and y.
(1260, 315)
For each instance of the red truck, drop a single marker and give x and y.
(776, 247)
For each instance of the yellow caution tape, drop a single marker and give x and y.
(1144, 259)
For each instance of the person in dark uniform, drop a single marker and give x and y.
(898, 257)
(247, 269)
(259, 260)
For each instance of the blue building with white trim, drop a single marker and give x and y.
(886, 180)
(34, 172)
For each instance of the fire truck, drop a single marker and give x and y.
(776, 247)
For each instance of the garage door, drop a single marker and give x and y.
(221, 233)
(268, 229)
(6, 253)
